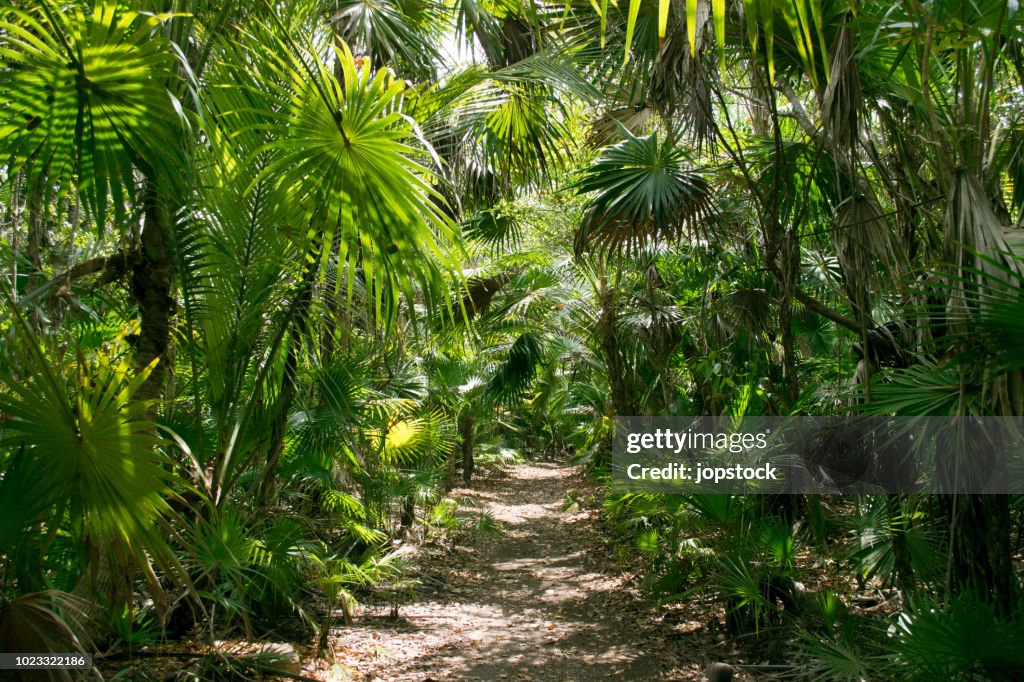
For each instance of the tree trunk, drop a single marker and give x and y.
(466, 431)
(783, 259)
(277, 442)
(623, 392)
(151, 283)
(979, 548)
(36, 244)
(301, 306)
(408, 512)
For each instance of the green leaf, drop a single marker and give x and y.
(767, 16)
(643, 190)
(750, 11)
(347, 158)
(84, 102)
(818, 17)
(718, 14)
(604, 24)
(691, 25)
(516, 372)
(634, 12)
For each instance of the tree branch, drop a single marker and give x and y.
(799, 113)
(816, 306)
(111, 268)
(878, 337)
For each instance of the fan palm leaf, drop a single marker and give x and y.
(84, 448)
(83, 98)
(403, 34)
(342, 152)
(643, 192)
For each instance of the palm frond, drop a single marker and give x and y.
(842, 103)
(404, 34)
(46, 622)
(972, 228)
(101, 459)
(964, 638)
(643, 192)
(867, 249)
(925, 388)
(84, 97)
(345, 154)
(514, 375)
(499, 230)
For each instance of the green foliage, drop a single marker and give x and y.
(873, 531)
(78, 450)
(515, 374)
(963, 639)
(347, 164)
(359, 268)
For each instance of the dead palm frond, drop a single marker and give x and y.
(683, 82)
(869, 252)
(842, 103)
(972, 228)
(608, 128)
(44, 622)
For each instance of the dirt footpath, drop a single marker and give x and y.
(545, 600)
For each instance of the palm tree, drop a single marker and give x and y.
(642, 194)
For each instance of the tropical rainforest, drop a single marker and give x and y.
(283, 283)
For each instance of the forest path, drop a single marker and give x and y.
(544, 600)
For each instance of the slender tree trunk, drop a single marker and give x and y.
(303, 301)
(151, 282)
(782, 257)
(267, 487)
(408, 512)
(14, 220)
(624, 402)
(467, 427)
(789, 371)
(36, 232)
(36, 244)
(452, 459)
(151, 288)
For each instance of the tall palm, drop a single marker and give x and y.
(641, 192)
